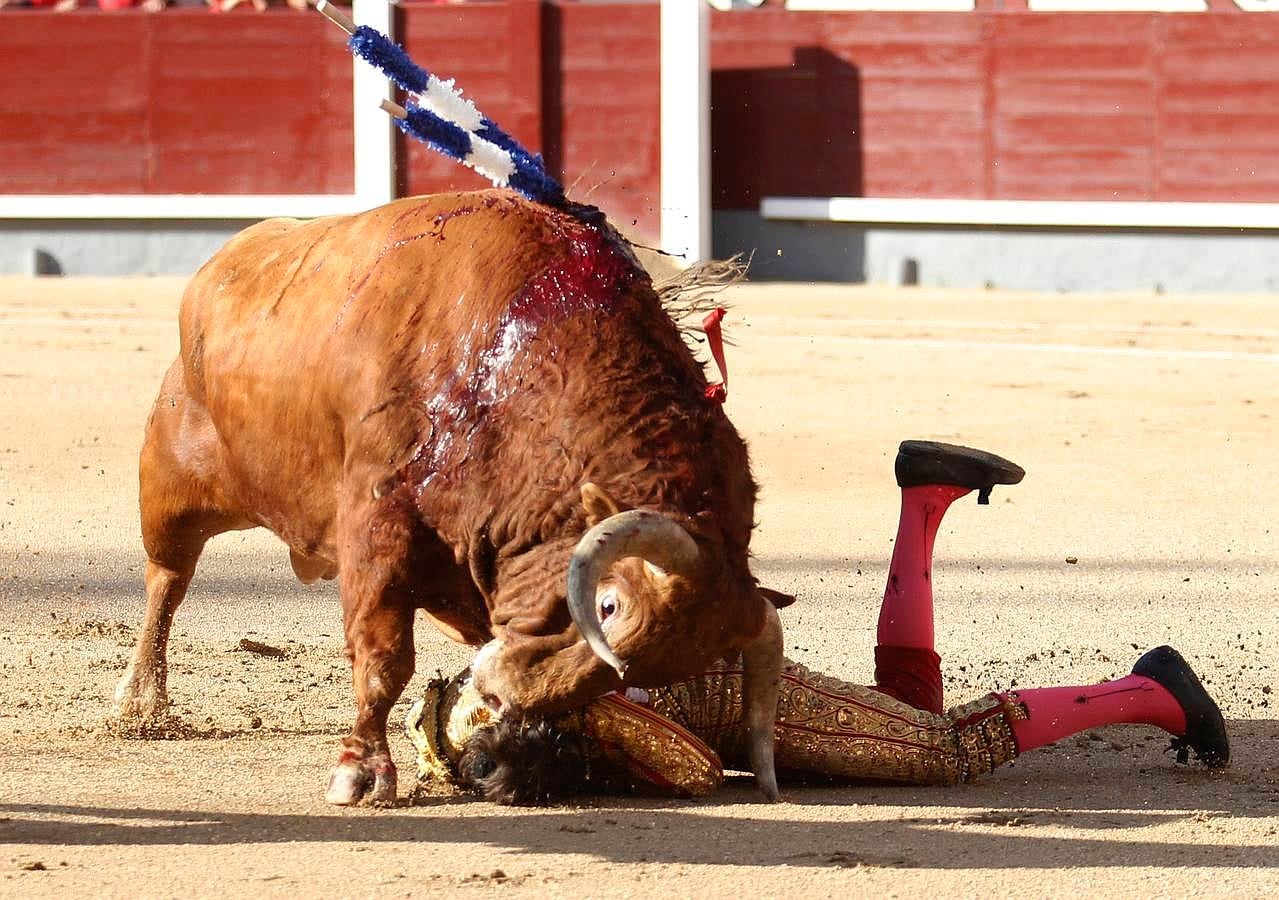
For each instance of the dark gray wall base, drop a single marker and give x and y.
(1026, 259)
(1021, 258)
(97, 247)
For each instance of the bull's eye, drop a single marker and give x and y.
(608, 605)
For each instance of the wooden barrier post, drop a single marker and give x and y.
(685, 122)
(374, 137)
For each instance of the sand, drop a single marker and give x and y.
(1147, 427)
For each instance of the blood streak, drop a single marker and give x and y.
(592, 272)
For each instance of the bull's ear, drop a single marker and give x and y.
(598, 504)
(777, 598)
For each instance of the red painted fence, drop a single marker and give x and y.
(578, 82)
(179, 102)
(1008, 104)
(1120, 106)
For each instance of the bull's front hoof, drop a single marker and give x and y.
(140, 698)
(371, 779)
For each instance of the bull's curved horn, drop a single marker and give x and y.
(636, 532)
(761, 682)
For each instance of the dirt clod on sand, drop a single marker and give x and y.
(262, 649)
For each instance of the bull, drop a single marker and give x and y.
(472, 405)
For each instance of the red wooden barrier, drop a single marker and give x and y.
(998, 104)
(473, 45)
(180, 102)
(1008, 105)
(608, 93)
(578, 83)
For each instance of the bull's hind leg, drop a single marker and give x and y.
(181, 510)
(377, 587)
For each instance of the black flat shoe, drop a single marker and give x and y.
(1205, 727)
(930, 462)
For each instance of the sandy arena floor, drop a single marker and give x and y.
(1147, 426)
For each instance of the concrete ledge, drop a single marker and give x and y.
(1036, 258)
(112, 247)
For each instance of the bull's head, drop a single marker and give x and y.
(652, 602)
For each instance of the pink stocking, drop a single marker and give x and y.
(906, 666)
(1058, 712)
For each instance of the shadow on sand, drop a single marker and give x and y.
(1093, 821)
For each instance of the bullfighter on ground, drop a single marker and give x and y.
(677, 739)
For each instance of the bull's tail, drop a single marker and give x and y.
(691, 293)
(439, 116)
(691, 299)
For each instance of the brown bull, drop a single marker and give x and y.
(433, 401)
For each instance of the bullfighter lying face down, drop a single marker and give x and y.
(471, 405)
(677, 739)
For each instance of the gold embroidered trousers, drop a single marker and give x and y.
(830, 728)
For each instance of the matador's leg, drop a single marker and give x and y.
(830, 728)
(834, 729)
(1162, 691)
(931, 476)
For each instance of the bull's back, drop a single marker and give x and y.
(307, 342)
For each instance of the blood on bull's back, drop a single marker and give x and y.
(299, 337)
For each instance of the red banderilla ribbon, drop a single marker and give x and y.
(710, 325)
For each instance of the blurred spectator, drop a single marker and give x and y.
(68, 5)
(149, 5)
(259, 5)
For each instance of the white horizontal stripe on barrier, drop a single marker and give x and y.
(1106, 6)
(176, 206)
(1112, 6)
(881, 5)
(1026, 213)
(994, 347)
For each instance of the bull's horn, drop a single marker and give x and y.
(761, 683)
(636, 532)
